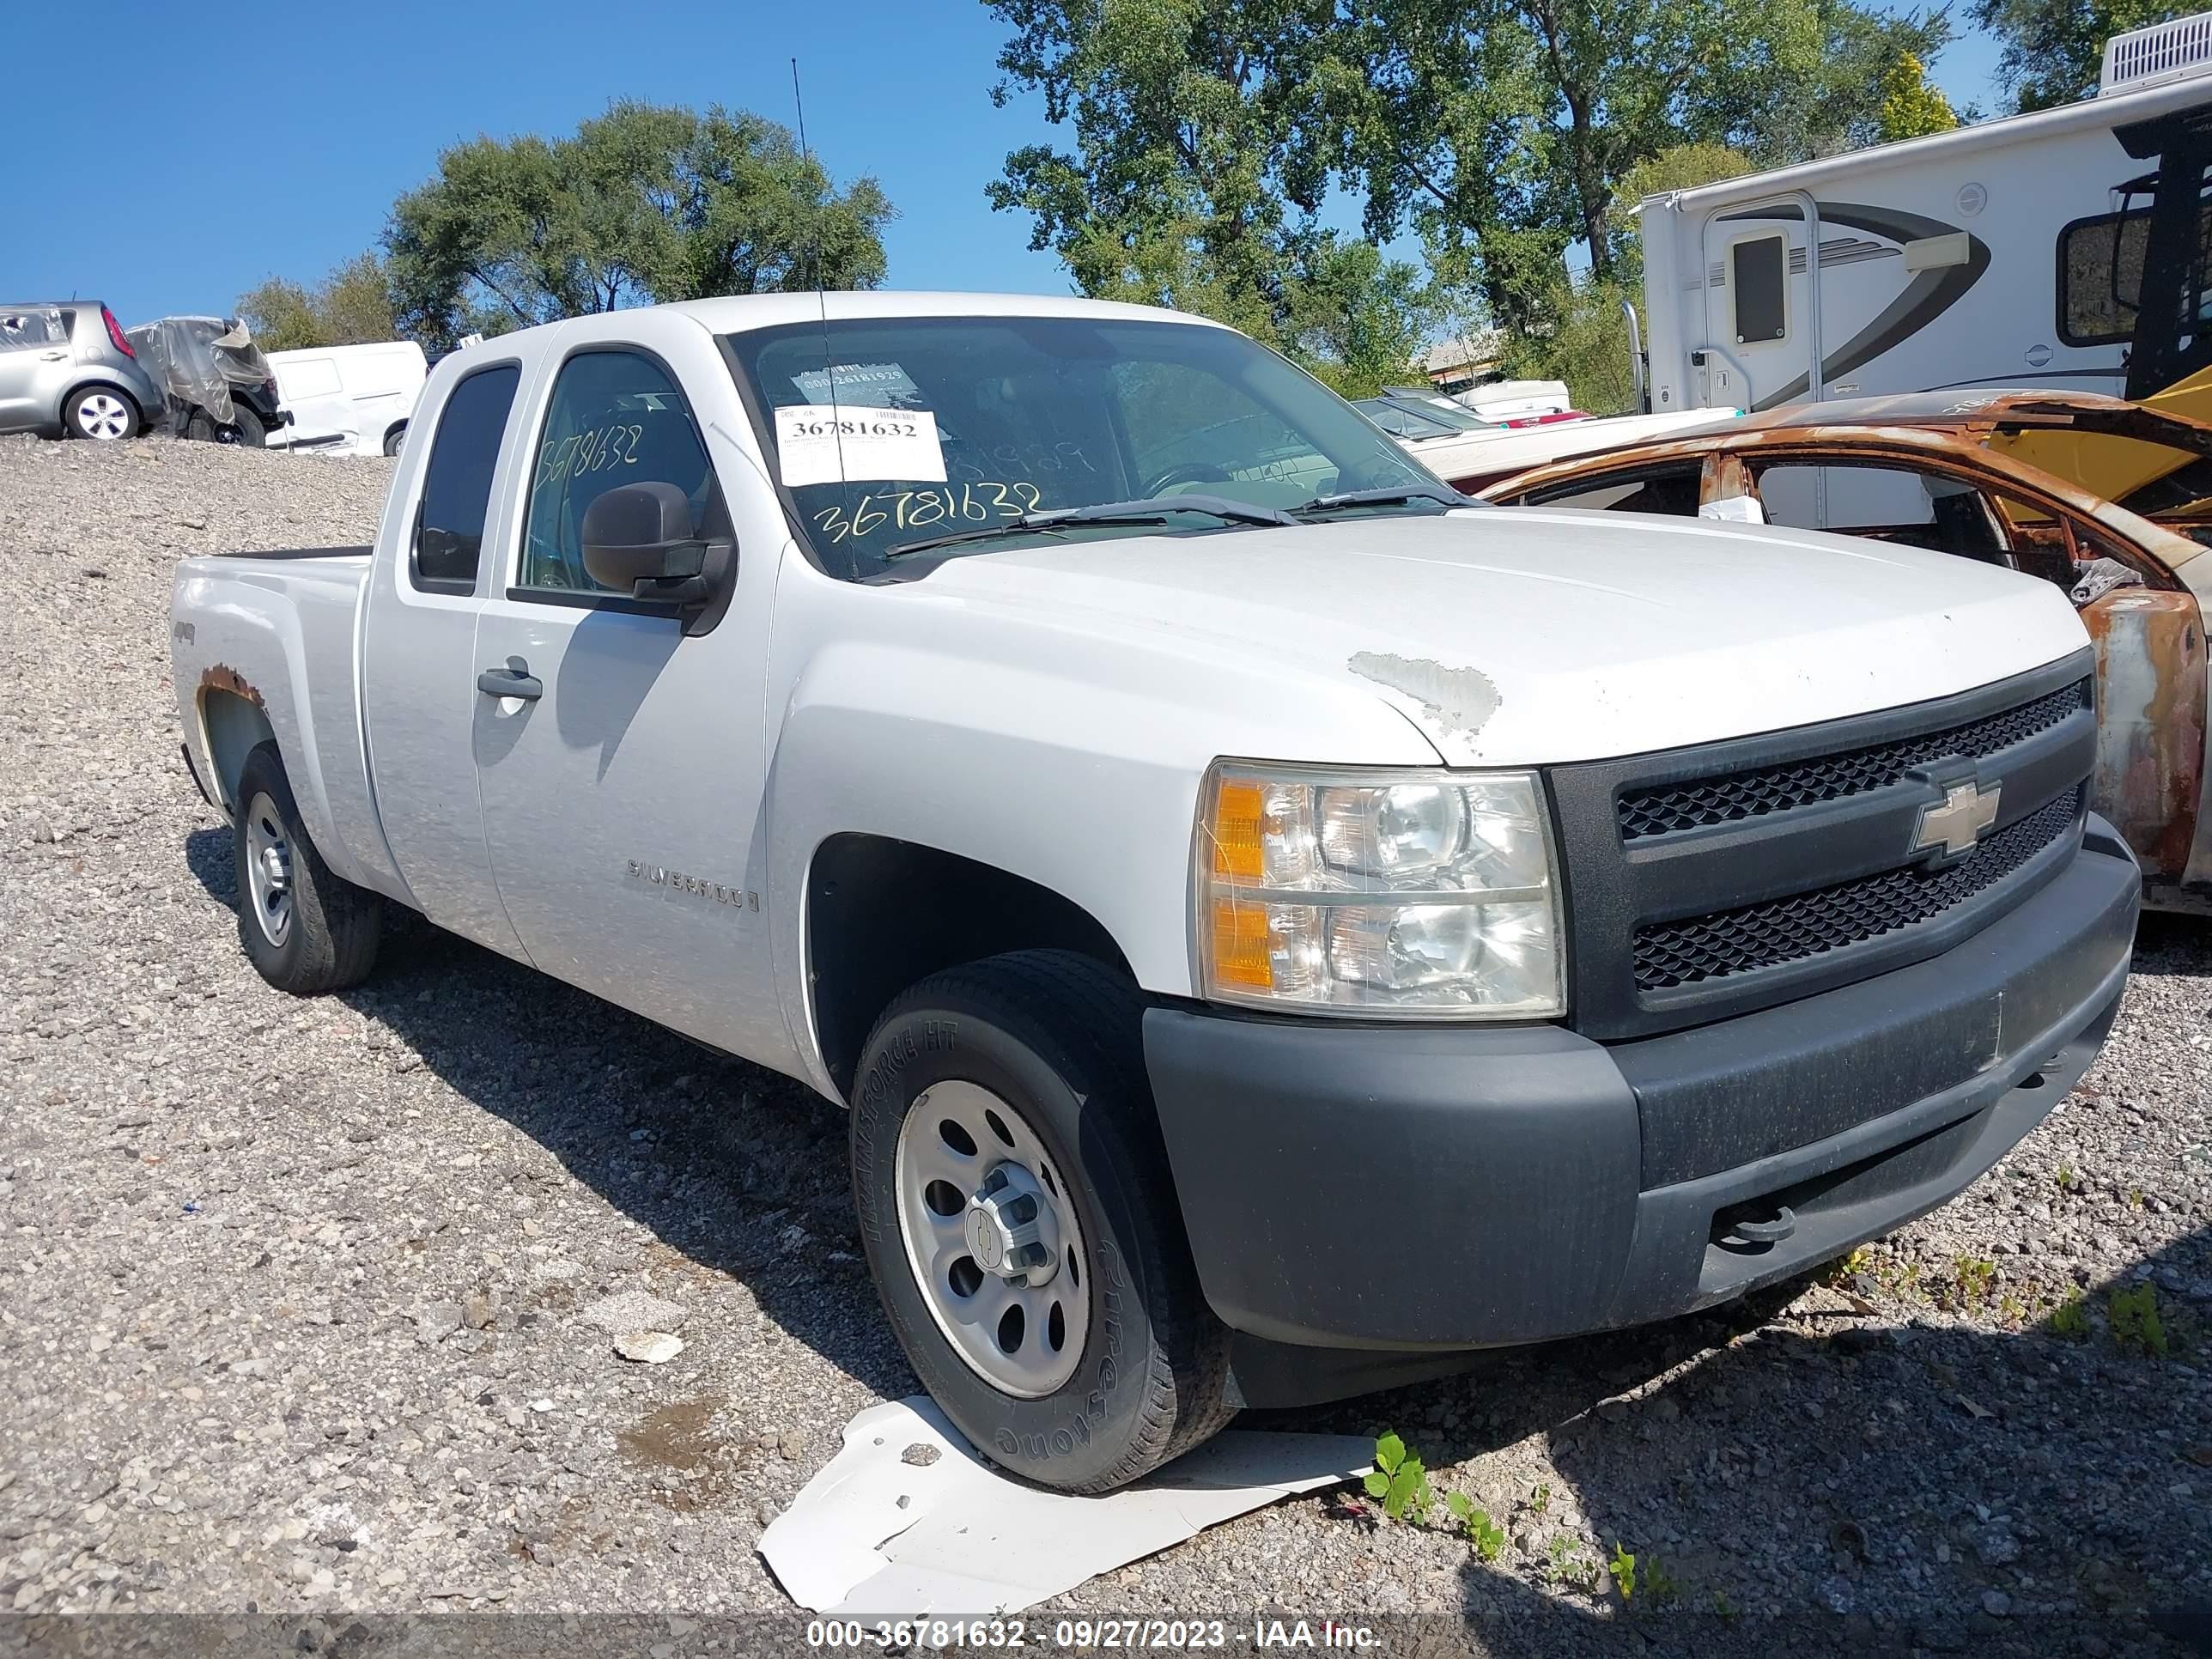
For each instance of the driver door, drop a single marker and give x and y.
(619, 756)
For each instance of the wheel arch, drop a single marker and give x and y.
(233, 725)
(882, 914)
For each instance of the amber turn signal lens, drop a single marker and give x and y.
(1239, 809)
(1240, 953)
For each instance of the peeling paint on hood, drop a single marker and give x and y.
(1455, 702)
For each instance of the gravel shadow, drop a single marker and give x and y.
(740, 1170)
(1970, 1491)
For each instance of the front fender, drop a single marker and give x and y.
(1067, 758)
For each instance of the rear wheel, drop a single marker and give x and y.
(99, 413)
(1017, 1213)
(251, 431)
(392, 440)
(200, 426)
(305, 928)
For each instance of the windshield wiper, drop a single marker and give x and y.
(1153, 510)
(1390, 495)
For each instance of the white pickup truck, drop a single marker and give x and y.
(1278, 927)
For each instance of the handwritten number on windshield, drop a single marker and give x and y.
(913, 510)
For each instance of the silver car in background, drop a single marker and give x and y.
(67, 370)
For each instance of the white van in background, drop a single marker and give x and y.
(349, 400)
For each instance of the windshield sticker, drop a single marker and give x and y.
(816, 443)
(875, 385)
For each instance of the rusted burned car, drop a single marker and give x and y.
(1951, 472)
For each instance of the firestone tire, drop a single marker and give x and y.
(1055, 1037)
(305, 929)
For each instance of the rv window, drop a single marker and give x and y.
(1756, 277)
(2100, 276)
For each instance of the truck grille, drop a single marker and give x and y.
(1831, 777)
(1708, 882)
(1807, 924)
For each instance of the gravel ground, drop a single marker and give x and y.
(303, 1301)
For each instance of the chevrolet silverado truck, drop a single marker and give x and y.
(1279, 928)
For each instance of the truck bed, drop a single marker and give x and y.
(262, 643)
(279, 553)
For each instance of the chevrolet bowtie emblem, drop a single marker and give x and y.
(1952, 827)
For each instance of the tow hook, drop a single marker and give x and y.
(1755, 1229)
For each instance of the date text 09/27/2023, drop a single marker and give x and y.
(1086, 1634)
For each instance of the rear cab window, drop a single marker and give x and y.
(457, 480)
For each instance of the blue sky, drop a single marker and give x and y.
(351, 105)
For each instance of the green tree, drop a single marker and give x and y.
(1910, 107)
(281, 315)
(1500, 130)
(1195, 179)
(644, 204)
(352, 306)
(2054, 50)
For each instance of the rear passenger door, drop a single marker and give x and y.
(419, 673)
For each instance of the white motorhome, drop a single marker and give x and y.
(350, 400)
(2060, 248)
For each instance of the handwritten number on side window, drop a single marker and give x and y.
(587, 452)
(982, 502)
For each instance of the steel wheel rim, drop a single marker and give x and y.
(103, 418)
(269, 870)
(942, 1247)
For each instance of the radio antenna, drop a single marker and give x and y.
(821, 301)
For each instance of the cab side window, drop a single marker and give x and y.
(1672, 491)
(449, 526)
(616, 417)
(1916, 506)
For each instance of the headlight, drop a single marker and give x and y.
(1410, 895)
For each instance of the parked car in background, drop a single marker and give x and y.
(350, 400)
(1473, 456)
(1171, 818)
(1498, 402)
(218, 383)
(67, 369)
(1945, 472)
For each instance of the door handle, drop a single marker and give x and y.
(513, 681)
(53, 356)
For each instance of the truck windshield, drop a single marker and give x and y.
(905, 430)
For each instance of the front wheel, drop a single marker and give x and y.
(392, 438)
(306, 928)
(1018, 1216)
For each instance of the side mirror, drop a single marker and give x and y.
(638, 540)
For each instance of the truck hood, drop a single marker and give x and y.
(1527, 636)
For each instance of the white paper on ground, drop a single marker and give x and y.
(1733, 509)
(819, 443)
(874, 1536)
